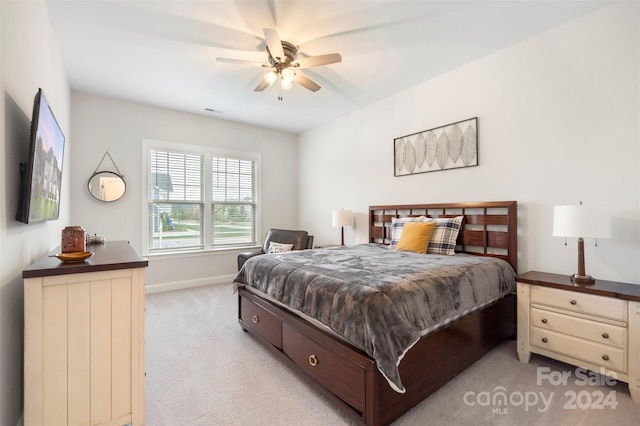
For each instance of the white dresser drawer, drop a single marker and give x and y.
(582, 303)
(595, 353)
(595, 331)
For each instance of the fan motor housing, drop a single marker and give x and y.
(290, 52)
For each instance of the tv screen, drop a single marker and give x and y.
(41, 175)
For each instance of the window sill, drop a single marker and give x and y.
(199, 253)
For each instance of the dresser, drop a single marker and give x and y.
(593, 326)
(84, 339)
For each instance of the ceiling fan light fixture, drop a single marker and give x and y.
(288, 74)
(270, 77)
(286, 84)
(282, 63)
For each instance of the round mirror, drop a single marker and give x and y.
(107, 186)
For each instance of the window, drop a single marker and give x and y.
(198, 198)
(234, 208)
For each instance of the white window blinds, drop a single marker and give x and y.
(234, 201)
(199, 200)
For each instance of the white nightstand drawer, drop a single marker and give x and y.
(582, 303)
(595, 353)
(605, 334)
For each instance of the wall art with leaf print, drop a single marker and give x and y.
(447, 147)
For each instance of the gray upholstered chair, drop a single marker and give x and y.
(300, 239)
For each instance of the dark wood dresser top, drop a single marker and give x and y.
(109, 256)
(600, 287)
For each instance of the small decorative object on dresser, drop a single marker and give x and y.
(73, 240)
(595, 326)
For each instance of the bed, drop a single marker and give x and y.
(373, 382)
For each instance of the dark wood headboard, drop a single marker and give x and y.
(488, 229)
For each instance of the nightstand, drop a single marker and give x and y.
(593, 326)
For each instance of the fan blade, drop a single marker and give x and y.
(274, 44)
(261, 86)
(316, 61)
(241, 62)
(306, 82)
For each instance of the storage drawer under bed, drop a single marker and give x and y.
(263, 322)
(338, 374)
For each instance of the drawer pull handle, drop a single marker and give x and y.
(313, 360)
(255, 319)
(544, 340)
(605, 335)
(605, 357)
(544, 320)
(573, 302)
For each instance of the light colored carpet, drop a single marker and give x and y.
(202, 369)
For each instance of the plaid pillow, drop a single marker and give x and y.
(397, 223)
(443, 239)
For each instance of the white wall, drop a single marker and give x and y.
(30, 59)
(102, 124)
(558, 123)
(558, 118)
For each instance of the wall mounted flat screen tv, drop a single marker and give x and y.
(41, 175)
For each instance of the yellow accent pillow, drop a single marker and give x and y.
(415, 236)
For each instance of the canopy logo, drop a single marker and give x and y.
(500, 400)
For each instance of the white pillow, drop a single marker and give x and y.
(397, 224)
(278, 247)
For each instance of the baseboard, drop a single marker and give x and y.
(180, 285)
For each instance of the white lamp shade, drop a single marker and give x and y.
(580, 221)
(342, 218)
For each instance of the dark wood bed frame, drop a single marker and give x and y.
(348, 376)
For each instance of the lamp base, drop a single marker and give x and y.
(583, 279)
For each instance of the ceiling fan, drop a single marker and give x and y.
(283, 64)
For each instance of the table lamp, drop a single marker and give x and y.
(342, 218)
(580, 221)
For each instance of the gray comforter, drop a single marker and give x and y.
(381, 300)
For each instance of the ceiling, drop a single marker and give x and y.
(164, 53)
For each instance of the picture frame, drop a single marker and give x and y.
(446, 147)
